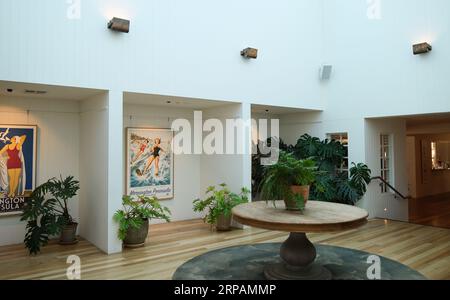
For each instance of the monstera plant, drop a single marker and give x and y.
(330, 184)
(47, 214)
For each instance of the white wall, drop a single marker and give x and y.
(57, 149)
(93, 167)
(375, 201)
(257, 133)
(185, 48)
(320, 124)
(187, 167)
(232, 169)
(412, 164)
(375, 72)
(293, 126)
(115, 155)
(101, 155)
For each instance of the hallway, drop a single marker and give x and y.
(430, 211)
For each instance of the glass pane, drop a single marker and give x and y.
(345, 164)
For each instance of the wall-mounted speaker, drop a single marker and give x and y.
(325, 72)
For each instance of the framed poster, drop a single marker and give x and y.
(17, 167)
(150, 162)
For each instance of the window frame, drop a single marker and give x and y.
(386, 159)
(345, 141)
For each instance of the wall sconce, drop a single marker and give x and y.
(250, 53)
(120, 25)
(422, 48)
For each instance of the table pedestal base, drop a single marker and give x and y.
(298, 255)
(282, 272)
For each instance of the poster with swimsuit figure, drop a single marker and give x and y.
(17, 167)
(150, 163)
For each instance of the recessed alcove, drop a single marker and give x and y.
(64, 123)
(193, 171)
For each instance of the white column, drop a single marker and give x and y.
(115, 166)
(247, 143)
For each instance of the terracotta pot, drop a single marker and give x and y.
(136, 237)
(223, 223)
(69, 234)
(297, 190)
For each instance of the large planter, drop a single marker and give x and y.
(69, 234)
(136, 237)
(297, 190)
(223, 223)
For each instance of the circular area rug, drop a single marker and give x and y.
(248, 262)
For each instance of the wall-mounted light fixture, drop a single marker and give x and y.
(250, 53)
(422, 48)
(120, 25)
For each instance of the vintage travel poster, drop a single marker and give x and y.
(17, 167)
(150, 162)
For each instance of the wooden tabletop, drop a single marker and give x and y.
(317, 216)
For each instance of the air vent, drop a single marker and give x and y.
(35, 92)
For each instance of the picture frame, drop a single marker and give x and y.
(17, 166)
(150, 162)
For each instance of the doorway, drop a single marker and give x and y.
(428, 157)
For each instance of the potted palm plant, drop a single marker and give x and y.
(134, 219)
(218, 205)
(289, 180)
(47, 214)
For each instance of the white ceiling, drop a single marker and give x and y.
(74, 93)
(170, 101)
(52, 91)
(276, 110)
(417, 120)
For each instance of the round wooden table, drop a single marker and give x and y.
(297, 252)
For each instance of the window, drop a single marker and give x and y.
(440, 155)
(385, 160)
(434, 158)
(343, 139)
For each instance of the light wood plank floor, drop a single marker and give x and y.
(425, 249)
(431, 211)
